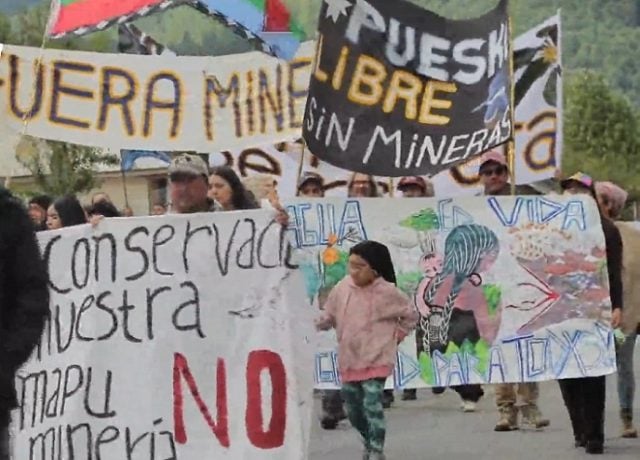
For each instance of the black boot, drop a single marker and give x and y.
(387, 398)
(328, 423)
(594, 447)
(410, 395)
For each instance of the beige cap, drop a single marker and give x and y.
(189, 164)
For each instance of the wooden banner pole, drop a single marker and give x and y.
(300, 166)
(511, 145)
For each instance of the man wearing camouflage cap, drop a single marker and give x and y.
(189, 184)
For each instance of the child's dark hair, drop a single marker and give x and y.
(104, 208)
(378, 257)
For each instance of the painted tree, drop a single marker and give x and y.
(424, 222)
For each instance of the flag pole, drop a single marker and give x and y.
(560, 99)
(124, 181)
(511, 145)
(300, 165)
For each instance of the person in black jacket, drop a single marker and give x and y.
(24, 302)
(585, 397)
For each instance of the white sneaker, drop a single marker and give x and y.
(468, 406)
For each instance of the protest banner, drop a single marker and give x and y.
(397, 90)
(509, 289)
(165, 103)
(172, 337)
(538, 124)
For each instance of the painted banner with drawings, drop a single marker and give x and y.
(171, 337)
(538, 128)
(167, 103)
(398, 90)
(509, 289)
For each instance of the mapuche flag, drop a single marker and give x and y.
(268, 23)
(84, 16)
(265, 22)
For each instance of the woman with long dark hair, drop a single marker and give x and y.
(226, 188)
(104, 209)
(65, 212)
(362, 186)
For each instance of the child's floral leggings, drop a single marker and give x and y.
(365, 411)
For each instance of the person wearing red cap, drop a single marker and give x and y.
(585, 397)
(415, 187)
(494, 173)
(611, 200)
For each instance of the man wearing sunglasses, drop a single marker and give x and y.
(494, 173)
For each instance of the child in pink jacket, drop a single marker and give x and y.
(371, 316)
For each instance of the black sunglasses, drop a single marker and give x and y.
(497, 171)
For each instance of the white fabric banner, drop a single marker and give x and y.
(171, 337)
(538, 115)
(509, 289)
(119, 101)
(282, 161)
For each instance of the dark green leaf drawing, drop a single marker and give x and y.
(334, 273)
(408, 281)
(481, 350)
(452, 349)
(467, 347)
(422, 221)
(493, 295)
(482, 353)
(426, 368)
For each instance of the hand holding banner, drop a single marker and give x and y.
(150, 351)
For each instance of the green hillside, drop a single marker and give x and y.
(598, 35)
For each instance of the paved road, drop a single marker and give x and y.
(434, 427)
